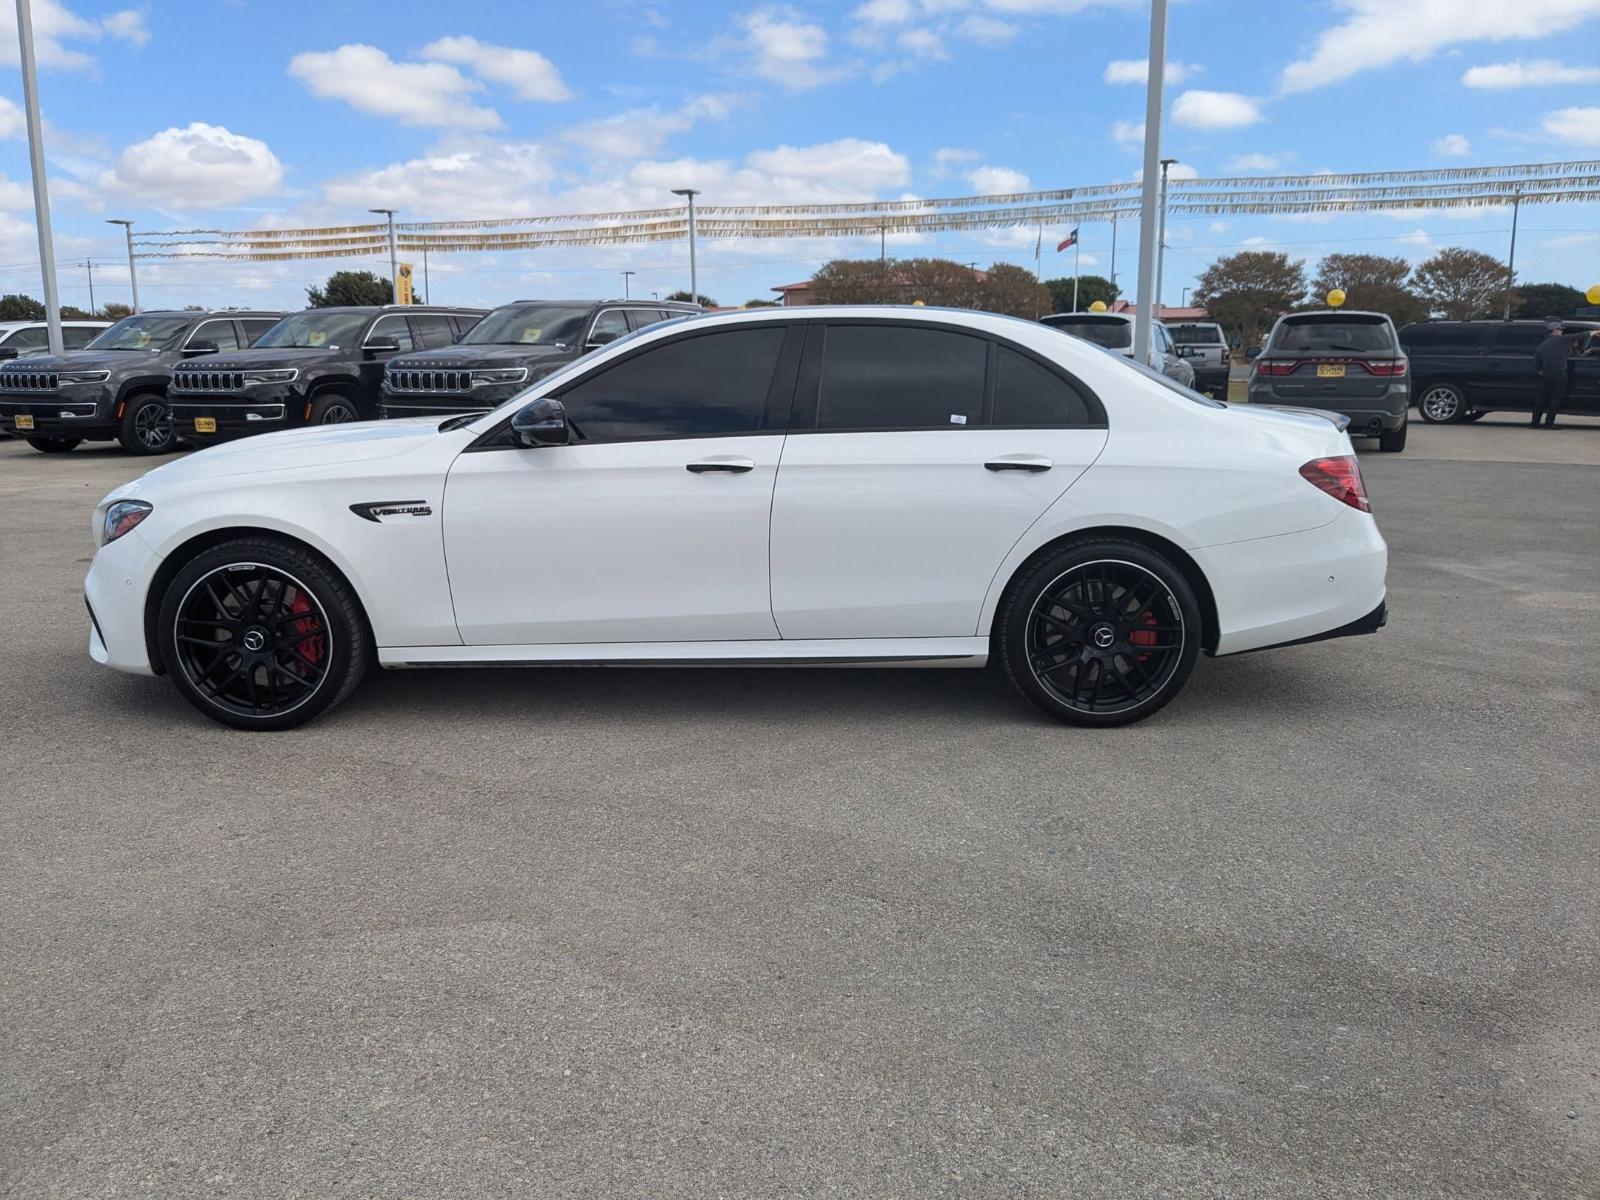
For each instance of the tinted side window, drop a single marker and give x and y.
(1441, 339)
(888, 377)
(641, 317)
(465, 321)
(609, 326)
(1517, 339)
(220, 332)
(392, 327)
(1027, 393)
(76, 337)
(689, 387)
(254, 327)
(24, 340)
(432, 331)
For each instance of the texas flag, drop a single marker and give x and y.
(1070, 240)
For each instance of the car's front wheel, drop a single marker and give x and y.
(1442, 403)
(1099, 632)
(261, 633)
(331, 408)
(146, 425)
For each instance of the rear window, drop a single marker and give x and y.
(1196, 335)
(1321, 333)
(1110, 332)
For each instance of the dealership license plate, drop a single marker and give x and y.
(1330, 370)
(205, 424)
(24, 421)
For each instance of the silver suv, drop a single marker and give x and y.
(1114, 332)
(1206, 347)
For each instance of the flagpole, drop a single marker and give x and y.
(1077, 249)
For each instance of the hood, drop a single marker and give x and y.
(454, 358)
(314, 446)
(87, 360)
(244, 360)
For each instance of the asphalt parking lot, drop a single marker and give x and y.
(1325, 926)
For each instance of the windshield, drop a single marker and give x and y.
(1197, 335)
(1361, 334)
(1113, 334)
(141, 333)
(314, 330)
(529, 325)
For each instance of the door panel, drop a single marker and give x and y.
(616, 542)
(899, 534)
(1506, 378)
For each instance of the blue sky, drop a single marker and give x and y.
(238, 113)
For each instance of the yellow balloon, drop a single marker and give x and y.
(1100, 305)
(1593, 294)
(1336, 298)
(916, 304)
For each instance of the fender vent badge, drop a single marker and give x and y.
(376, 510)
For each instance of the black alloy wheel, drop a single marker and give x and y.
(261, 634)
(146, 426)
(333, 410)
(1100, 632)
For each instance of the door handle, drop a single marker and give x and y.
(733, 466)
(1020, 463)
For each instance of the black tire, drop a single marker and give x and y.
(146, 425)
(282, 654)
(1477, 414)
(53, 445)
(1393, 441)
(333, 408)
(1051, 621)
(1441, 403)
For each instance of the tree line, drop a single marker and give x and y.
(942, 282)
(17, 307)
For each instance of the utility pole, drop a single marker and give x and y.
(1511, 260)
(394, 268)
(1147, 198)
(626, 276)
(1161, 238)
(133, 278)
(694, 282)
(41, 189)
(88, 265)
(427, 284)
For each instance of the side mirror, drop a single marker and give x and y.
(9, 352)
(382, 345)
(596, 340)
(194, 348)
(542, 423)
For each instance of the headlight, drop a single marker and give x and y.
(280, 375)
(121, 517)
(501, 375)
(85, 376)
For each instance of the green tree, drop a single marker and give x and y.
(71, 312)
(1246, 292)
(1371, 283)
(1538, 300)
(703, 300)
(938, 281)
(115, 312)
(1461, 284)
(350, 288)
(853, 281)
(758, 302)
(14, 307)
(1014, 291)
(1090, 289)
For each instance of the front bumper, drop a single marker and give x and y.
(115, 589)
(85, 411)
(210, 418)
(410, 404)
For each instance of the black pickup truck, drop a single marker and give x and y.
(1461, 370)
(317, 367)
(115, 388)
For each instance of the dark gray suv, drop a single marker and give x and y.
(1343, 362)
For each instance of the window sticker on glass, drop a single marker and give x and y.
(316, 337)
(530, 335)
(958, 418)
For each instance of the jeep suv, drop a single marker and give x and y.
(510, 348)
(322, 366)
(1206, 347)
(1464, 369)
(1343, 362)
(115, 388)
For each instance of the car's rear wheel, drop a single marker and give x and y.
(1442, 403)
(1393, 440)
(260, 633)
(331, 408)
(1099, 632)
(53, 445)
(146, 425)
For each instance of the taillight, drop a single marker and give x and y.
(1276, 366)
(1340, 477)
(1387, 368)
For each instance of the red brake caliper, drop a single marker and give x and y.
(311, 647)
(1144, 637)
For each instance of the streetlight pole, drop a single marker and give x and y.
(88, 265)
(694, 283)
(427, 284)
(41, 188)
(1511, 261)
(394, 267)
(1161, 237)
(133, 279)
(1147, 197)
(626, 277)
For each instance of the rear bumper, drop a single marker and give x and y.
(1369, 415)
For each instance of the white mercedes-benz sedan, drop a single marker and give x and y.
(887, 486)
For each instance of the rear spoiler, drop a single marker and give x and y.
(1339, 421)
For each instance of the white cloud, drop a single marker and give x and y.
(1580, 126)
(989, 181)
(54, 24)
(922, 43)
(502, 179)
(127, 26)
(1378, 33)
(1137, 70)
(529, 74)
(1127, 133)
(1569, 240)
(986, 31)
(199, 166)
(1540, 72)
(1452, 145)
(787, 52)
(1254, 162)
(952, 156)
(14, 196)
(885, 12)
(1215, 110)
(642, 132)
(414, 93)
(12, 122)
(1417, 237)
(1217, 227)
(870, 166)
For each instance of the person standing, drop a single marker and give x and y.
(1550, 365)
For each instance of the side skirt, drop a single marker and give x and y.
(830, 652)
